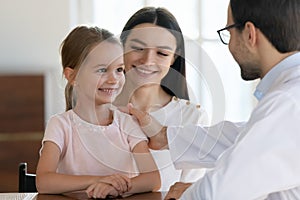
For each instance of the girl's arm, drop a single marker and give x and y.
(48, 181)
(149, 178)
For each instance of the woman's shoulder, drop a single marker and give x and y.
(183, 110)
(184, 105)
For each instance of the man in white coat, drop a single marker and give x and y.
(259, 159)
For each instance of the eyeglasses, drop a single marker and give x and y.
(224, 33)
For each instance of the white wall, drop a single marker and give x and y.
(31, 32)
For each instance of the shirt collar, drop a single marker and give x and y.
(267, 81)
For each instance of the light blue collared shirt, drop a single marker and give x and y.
(267, 81)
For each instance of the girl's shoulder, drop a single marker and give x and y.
(121, 117)
(64, 116)
(117, 113)
(63, 119)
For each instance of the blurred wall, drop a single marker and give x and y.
(31, 32)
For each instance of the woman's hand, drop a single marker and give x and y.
(145, 120)
(151, 127)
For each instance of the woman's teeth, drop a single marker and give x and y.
(144, 71)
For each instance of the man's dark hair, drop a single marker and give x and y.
(278, 20)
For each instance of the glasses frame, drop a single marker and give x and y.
(226, 29)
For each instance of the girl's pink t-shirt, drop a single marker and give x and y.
(88, 149)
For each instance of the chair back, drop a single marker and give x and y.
(26, 180)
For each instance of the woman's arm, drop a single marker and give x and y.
(149, 178)
(51, 182)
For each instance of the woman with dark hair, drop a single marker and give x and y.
(154, 58)
(163, 18)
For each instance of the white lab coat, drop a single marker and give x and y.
(259, 159)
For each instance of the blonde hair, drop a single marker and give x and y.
(75, 48)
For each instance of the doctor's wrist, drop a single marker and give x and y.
(160, 140)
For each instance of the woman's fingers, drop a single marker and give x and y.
(143, 117)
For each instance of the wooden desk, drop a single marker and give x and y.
(78, 196)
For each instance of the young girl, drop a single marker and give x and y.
(154, 58)
(93, 146)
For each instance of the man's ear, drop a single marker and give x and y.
(250, 32)
(69, 74)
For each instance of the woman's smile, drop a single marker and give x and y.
(145, 72)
